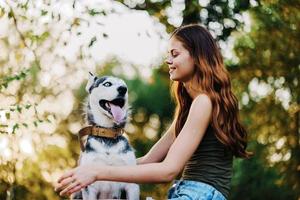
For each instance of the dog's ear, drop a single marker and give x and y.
(92, 79)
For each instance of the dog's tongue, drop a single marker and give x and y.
(117, 112)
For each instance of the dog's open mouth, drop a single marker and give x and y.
(114, 108)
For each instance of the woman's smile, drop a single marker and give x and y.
(171, 69)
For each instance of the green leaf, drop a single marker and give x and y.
(7, 115)
(25, 125)
(10, 14)
(94, 39)
(19, 108)
(105, 35)
(93, 12)
(15, 127)
(44, 12)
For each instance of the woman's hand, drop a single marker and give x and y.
(76, 179)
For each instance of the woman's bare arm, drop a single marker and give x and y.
(178, 154)
(160, 149)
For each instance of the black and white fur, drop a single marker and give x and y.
(102, 150)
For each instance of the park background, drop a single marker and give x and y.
(48, 47)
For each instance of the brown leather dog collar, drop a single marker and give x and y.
(99, 131)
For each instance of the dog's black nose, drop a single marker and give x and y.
(122, 90)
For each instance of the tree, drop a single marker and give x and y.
(268, 60)
(33, 130)
(220, 17)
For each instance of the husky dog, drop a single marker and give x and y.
(107, 108)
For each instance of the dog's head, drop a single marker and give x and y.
(107, 101)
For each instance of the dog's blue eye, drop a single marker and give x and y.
(107, 84)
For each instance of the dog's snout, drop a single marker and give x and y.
(122, 90)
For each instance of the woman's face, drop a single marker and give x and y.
(181, 64)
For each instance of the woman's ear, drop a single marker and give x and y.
(90, 82)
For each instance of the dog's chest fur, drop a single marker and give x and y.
(108, 151)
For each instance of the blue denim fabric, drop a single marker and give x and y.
(193, 190)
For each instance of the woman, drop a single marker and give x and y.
(203, 137)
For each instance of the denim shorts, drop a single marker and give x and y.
(193, 190)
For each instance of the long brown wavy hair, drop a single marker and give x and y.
(215, 82)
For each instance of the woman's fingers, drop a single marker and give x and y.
(71, 186)
(75, 189)
(66, 175)
(64, 183)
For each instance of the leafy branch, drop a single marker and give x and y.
(20, 108)
(6, 80)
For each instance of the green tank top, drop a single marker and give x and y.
(211, 163)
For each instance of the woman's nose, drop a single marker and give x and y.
(168, 60)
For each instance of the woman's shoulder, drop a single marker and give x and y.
(201, 104)
(202, 99)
